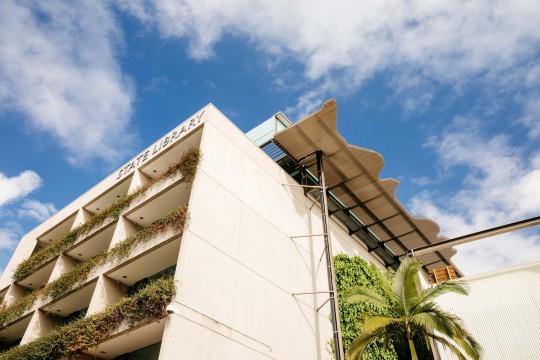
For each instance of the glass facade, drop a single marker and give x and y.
(150, 352)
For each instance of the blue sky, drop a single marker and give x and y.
(447, 92)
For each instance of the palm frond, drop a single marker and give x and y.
(470, 346)
(430, 321)
(447, 344)
(373, 323)
(436, 319)
(455, 286)
(431, 317)
(405, 283)
(384, 284)
(360, 293)
(358, 346)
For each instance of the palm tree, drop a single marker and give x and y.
(411, 313)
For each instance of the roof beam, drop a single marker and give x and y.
(475, 236)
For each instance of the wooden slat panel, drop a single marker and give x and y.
(442, 274)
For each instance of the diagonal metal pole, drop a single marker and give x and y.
(518, 225)
(336, 324)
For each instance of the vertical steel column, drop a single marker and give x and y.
(336, 324)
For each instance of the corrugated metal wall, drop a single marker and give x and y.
(502, 311)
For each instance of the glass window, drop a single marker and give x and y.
(146, 353)
(143, 282)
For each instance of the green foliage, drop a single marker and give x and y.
(86, 333)
(31, 264)
(406, 312)
(12, 312)
(350, 272)
(186, 165)
(73, 276)
(174, 221)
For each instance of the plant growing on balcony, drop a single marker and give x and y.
(186, 165)
(13, 311)
(77, 274)
(30, 265)
(86, 333)
(175, 221)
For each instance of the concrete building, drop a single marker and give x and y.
(249, 267)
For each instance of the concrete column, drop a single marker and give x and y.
(14, 293)
(63, 264)
(138, 180)
(123, 229)
(83, 216)
(107, 292)
(39, 325)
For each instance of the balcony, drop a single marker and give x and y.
(87, 247)
(15, 330)
(56, 232)
(130, 339)
(157, 166)
(71, 302)
(109, 197)
(39, 277)
(148, 259)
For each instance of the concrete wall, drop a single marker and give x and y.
(28, 243)
(238, 266)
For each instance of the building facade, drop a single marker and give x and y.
(204, 209)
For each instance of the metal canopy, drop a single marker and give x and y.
(352, 177)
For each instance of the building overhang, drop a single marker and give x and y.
(352, 178)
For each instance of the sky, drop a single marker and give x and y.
(447, 91)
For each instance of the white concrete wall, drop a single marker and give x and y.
(238, 266)
(28, 243)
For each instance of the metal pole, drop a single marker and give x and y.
(336, 324)
(475, 236)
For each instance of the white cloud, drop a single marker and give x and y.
(58, 68)
(498, 253)
(311, 100)
(13, 188)
(36, 210)
(531, 117)
(500, 186)
(8, 239)
(421, 181)
(418, 46)
(449, 42)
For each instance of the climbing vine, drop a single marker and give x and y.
(186, 165)
(350, 272)
(86, 333)
(175, 221)
(13, 311)
(353, 271)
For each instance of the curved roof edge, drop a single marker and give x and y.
(352, 176)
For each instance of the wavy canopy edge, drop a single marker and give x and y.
(352, 175)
